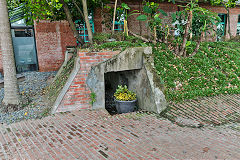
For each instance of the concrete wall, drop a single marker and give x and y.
(1, 65)
(135, 65)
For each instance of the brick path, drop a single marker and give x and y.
(208, 110)
(96, 135)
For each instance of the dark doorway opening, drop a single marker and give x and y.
(112, 80)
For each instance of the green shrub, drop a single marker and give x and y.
(124, 94)
(100, 38)
(214, 70)
(116, 45)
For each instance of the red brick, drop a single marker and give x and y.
(78, 93)
(91, 61)
(81, 54)
(108, 57)
(91, 54)
(79, 89)
(79, 82)
(85, 57)
(103, 53)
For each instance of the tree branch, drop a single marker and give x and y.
(140, 37)
(79, 10)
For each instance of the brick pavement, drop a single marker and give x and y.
(208, 110)
(96, 135)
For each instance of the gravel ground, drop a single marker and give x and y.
(31, 90)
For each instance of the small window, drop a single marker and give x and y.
(119, 26)
(82, 28)
(221, 27)
(119, 22)
(222, 16)
(23, 33)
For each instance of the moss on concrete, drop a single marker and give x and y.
(57, 85)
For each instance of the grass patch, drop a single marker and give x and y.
(118, 45)
(214, 70)
(117, 41)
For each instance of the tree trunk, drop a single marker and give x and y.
(11, 94)
(155, 35)
(198, 45)
(190, 25)
(89, 29)
(182, 51)
(126, 25)
(70, 21)
(228, 18)
(114, 16)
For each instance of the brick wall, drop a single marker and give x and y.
(141, 29)
(78, 94)
(51, 41)
(233, 13)
(98, 20)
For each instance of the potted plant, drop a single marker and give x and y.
(125, 99)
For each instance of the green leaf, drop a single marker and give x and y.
(188, 43)
(156, 16)
(163, 13)
(142, 17)
(147, 9)
(125, 6)
(174, 17)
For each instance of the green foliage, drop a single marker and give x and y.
(203, 20)
(50, 9)
(37, 10)
(53, 90)
(92, 97)
(101, 37)
(227, 4)
(190, 25)
(116, 45)
(125, 6)
(154, 17)
(123, 94)
(142, 17)
(151, 14)
(101, 42)
(212, 71)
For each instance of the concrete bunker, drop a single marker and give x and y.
(134, 68)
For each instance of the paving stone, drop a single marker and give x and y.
(215, 110)
(97, 135)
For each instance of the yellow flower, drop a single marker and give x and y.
(25, 113)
